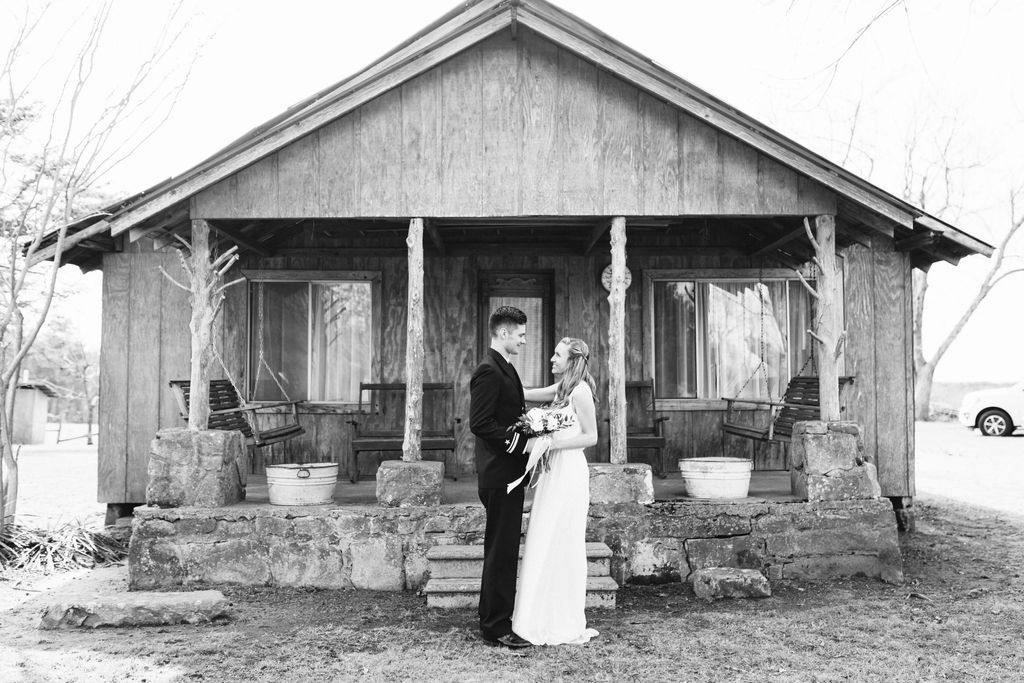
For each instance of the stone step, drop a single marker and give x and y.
(467, 561)
(465, 592)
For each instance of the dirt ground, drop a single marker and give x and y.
(959, 616)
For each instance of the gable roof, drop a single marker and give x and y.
(475, 21)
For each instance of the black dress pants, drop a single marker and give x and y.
(501, 559)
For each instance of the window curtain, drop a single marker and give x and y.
(341, 345)
(800, 320)
(531, 363)
(739, 318)
(278, 348)
(675, 337)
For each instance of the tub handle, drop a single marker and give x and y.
(302, 473)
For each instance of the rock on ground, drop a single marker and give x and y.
(714, 583)
(138, 609)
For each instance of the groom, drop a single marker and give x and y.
(495, 403)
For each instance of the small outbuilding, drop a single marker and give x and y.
(31, 405)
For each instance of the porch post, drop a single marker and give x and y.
(414, 346)
(828, 333)
(201, 326)
(616, 344)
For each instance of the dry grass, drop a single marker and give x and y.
(63, 547)
(959, 617)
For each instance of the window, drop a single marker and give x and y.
(531, 293)
(709, 334)
(311, 335)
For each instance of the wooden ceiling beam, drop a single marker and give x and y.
(859, 215)
(599, 231)
(234, 236)
(169, 219)
(434, 235)
(917, 241)
(169, 237)
(785, 239)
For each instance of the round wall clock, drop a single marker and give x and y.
(606, 277)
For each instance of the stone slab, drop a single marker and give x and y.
(630, 483)
(461, 593)
(855, 483)
(404, 484)
(138, 609)
(741, 552)
(461, 561)
(714, 583)
(196, 469)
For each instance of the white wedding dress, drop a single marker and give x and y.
(552, 587)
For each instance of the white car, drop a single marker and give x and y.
(996, 412)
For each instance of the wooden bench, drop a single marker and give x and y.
(229, 413)
(381, 423)
(799, 403)
(643, 425)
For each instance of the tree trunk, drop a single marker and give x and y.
(414, 346)
(923, 391)
(201, 326)
(828, 328)
(8, 470)
(920, 283)
(616, 345)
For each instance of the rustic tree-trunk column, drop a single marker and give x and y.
(414, 346)
(828, 332)
(204, 311)
(616, 344)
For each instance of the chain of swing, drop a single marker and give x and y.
(762, 365)
(261, 357)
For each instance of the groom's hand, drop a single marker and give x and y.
(516, 443)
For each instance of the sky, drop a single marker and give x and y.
(926, 73)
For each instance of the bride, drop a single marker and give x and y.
(553, 576)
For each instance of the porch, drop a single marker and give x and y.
(765, 486)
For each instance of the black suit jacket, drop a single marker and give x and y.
(495, 403)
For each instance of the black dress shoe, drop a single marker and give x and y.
(511, 640)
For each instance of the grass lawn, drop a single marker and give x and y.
(960, 616)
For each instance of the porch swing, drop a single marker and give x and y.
(800, 402)
(230, 412)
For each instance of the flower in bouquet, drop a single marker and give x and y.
(542, 421)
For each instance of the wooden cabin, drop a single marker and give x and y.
(517, 132)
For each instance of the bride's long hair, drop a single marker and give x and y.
(577, 369)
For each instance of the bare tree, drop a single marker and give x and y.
(937, 187)
(999, 268)
(52, 155)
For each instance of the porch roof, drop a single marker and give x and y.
(162, 210)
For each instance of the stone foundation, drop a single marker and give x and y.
(381, 548)
(204, 469)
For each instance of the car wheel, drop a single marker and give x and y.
(994, 423)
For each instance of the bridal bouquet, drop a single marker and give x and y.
(543, 421)
(540, 422)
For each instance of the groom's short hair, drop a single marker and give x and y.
(506, 316)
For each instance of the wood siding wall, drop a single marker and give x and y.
(145, 344)
(514, 127)
(879, 353)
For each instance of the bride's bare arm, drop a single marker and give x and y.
(586, 414)
(540, 394)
